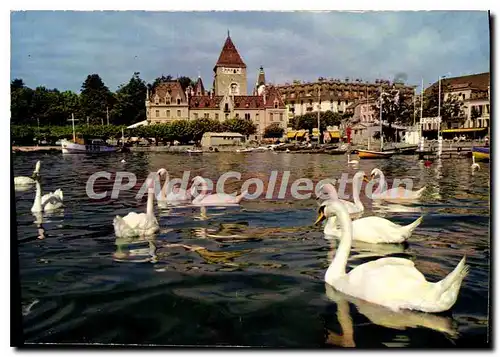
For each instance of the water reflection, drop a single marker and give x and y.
(133, 250)
(401, 320)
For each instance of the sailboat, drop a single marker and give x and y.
(85, 146)
(373, 154)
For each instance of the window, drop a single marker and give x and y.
(226, 116)
(275, 105)
(178, 114)
(479, 123)
(226, 107)
(206, 115)
(161, 101)
(237, 115)
(234, 71)
(178, 101)
(167, 113)
(346, 102)
(247, 116)
(271, 116)
(217, 116)
(487, 109)
(338, 102)
(234, 88)
(157, 113)
(281, 116)
(156, 100)
(167, 100)
(195, 115)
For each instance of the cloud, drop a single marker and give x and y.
(58, 49)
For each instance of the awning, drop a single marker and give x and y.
(291, 134)
(464, 130)
(141, 123)
(315, 132)
(334, 134)
(301, 134)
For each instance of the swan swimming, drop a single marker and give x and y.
(175, 196)
(48, 202)
(138, 224)
(214, 199)
(397, 193)
(352, 162)
(357, 180)
(391, 282)
(475, 166)
(20, 181)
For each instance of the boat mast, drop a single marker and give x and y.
(73, 121)
(381, 130)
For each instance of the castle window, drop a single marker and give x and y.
(156, 99)
(234, 71)
(226, 107)
(281, 116)
(206, 115)
(271, 116)
(247, 116)
(168, 113)
(237, 115)
(178, 114)
(161, 100)
(217, 116)
(338, 102)
(167, 100)
(157, 113)
(195, 115)
(275, 104)
(178, 101)
(234, 90)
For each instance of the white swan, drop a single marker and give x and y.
(475, 166)
(355, 207)
(175, 196)
(20, 181)
(214, 199)
(138, 224)
(397, 193)
(391, 282)
(48, 202)
(349, 161)
(371, 229)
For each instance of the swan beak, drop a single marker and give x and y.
(321, 217)
(366, 179)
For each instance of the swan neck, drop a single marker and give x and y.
(339, 262)
(381, 184)
(37, 204)
(165, 186)
(202, 194)
(356, 187)
(150, 207)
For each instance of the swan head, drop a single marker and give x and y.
(375, 172)
(360, 176)
(37, 167)
(330, 208)
(162, 172)
(329, 191)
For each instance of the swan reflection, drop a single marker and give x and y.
(135, 250)
(382, 316)
(367, 250)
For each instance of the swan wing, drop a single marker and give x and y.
(378, 230)
(23, 180)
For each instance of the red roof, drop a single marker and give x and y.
(248, 102)
(173, 88)
(204, 102)
(272, 93)
(199, 89)
(229, 56)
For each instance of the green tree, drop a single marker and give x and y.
(238, 125)
(95, 98)
(452, 108)
(159, 80)
(130, 99)
(185, 82)
(273, 131)
(199, 127)
(397, 108)
(20, 102)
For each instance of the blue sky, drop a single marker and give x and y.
(59, 49)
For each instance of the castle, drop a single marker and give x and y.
(228, 98)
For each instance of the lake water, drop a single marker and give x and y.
(255, 274)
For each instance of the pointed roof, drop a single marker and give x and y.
(262, 77)
(199, 89)
(229, 56)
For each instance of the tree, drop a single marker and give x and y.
(159, 80)
(273, 131)
(451, 109)
(185, 82)
(396, 109)
(238, 125)
(95, 98)
(20, 102)
(130, 99)
(199, 127)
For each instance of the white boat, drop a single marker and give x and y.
(86, 146)
(194, 151)
(92, 146)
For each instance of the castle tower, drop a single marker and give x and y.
(261, 82)
(199, 89)
(230, 72)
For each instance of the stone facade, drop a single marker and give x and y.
(229, 98)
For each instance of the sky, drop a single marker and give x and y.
(58, 49)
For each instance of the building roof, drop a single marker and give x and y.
(173, 88)
(479, 81)
(229, 56)
(273, 94)
(226, 133)
(205, 101)
(248, 102)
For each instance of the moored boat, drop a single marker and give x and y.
(371, 154)
(481, 153)
(90, 146)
